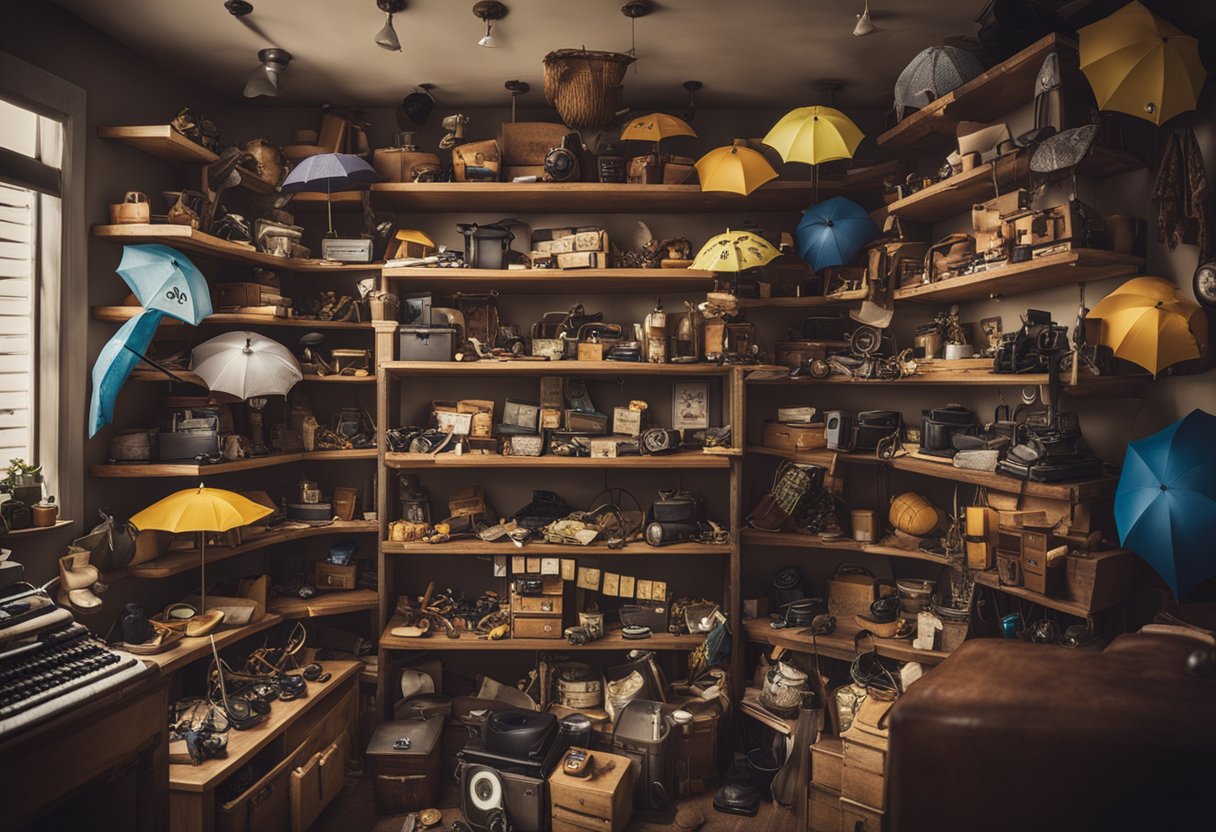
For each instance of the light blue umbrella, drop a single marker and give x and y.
(832, 232)
(1165, 505)
(163, 278)
(115, 362)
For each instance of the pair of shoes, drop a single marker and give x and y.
(79, 581)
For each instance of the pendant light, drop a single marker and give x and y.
(516, 88)
(489, 11)
(690, 112)
(238, 8)
(265, 79)
(864, 25)
(387, 38)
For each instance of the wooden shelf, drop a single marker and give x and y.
(837, 645)
(803, 302)
(1100, 386)
(792, 540)
(175, 563)
(482, 548)
(162, 141)
(863, 185)
(1073, 492)
(1081, 265)
(548, 368)
(552, 281)
(28, 530)
(243, 745)
(992, 580)
(305, 202)
(122, 314)
(187, 469)
(191, 649)
(193, 241)
(985, 98)
(325, 603)
(680, 460)
(147, 374)
(612, 640)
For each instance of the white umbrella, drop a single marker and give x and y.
(245, 365)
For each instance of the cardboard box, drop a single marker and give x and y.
(395, 164)
(526, 143)
(582, 260)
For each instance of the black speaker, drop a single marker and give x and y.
(485, 790)
(838, 430)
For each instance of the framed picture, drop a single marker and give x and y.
(690, 405)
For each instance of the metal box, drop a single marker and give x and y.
(427, 343)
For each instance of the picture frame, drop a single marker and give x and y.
(690, 405)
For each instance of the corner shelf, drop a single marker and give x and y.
(176, 563)
(322, 604)
(28, 530)
(803, 302)
(837, 645)
(481, 548)
(162, 141)
(552, 281)
(612, 640)
(792, 540)
(433, 462)
(122, 314)
(191, 649)
(186, 469)
(1079, 265)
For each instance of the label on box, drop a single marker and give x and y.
(518, 564)
(551, 566)
(644, 589)
(612, 584)
(588, 578)
(590, 351)
(628, 584)
(533, 565)
(658, 591)
(626, 421)
(552, 391)
(603, 448)
(568, 567)
(550, 418)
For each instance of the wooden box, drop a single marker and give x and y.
(677, 172)
(264, 805)
(482, 155)
(536, 604)
(824, 813)
(980, 536)
(328, 575)
(590, 351)
(396, 164)
(866, 524)
(791, 436)
(405, 779)
(863, 785)
(857, 817)
(1098, 580)
(602, 801)
(796, 353)
(225, 295)
(526, 143)
(827, 762)
(536, 626)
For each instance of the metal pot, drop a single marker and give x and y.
(784, 686)
(914, 595)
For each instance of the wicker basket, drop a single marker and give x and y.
(584, 86)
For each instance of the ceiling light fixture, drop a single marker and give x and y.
(516, 88)
(864, 25)
(238, 8)
(265, 79)
(690, 112)
(489, 11)
(634, 10)
(387, 38)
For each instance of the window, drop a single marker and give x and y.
(31, 153)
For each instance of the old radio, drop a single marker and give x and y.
(190, 433)
(1072, 222)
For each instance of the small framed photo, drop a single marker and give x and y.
(690, 405)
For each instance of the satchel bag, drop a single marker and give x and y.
(850, 591)
(111, 544)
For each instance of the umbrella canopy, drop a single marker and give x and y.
(1149, 322)
(735, 251)
(163, 278)
(1141, 65)
(245, 365)
(831, 233)
(328, 172)
(115, 362)
(1165, 504)
(736, 169)
(814, 135)
(200, 509)
(656, 126)
(933, 73)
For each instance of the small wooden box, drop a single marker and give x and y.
(245, 294)
(981, 536)
(626, 421)
(590, 351)
(789, 436)
(405, 779)
(824, 809)
(536, 626)
(1100, 579)
(328, 575)
(867, 526)
(603, 801)
(862, 785)
(857, 817)
(827, 762)
(536, 604)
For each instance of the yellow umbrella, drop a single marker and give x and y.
(1149, 322)
(737, 169)
(1141, 65)
(735, 251)
(814, 135)
(655, 127)
(200, 510)
(413, 235)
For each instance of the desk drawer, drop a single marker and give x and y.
(264, 805)
(317, 782)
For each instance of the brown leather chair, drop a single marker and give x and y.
(1009, 735)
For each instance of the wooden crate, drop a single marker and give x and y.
(824, 810)
(601, 801)
(857, 817)
(827, 762)
(1099, 580)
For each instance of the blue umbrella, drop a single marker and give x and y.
(115, 362)
(329, 172)
(832, 232)
(163, 278)
(1165, 505)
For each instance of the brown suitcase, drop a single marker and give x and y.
(793, 436)
(850, 592)
(405, 779)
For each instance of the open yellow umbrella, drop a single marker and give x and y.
(200, 510)
(737, 169)
(1141, 65)
(656, 127)
(814, 135)
(1149, 322)
(735, 251)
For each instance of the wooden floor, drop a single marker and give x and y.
(355, 809)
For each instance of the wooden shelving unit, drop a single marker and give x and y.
(682, 459)
(145, 374)
(121, 314)
(193, 241)
(186, 469)
(162, 141)
(506, 369)
(837, 645)
(175, 563)
(481, 548)
(992, 581)
(612, 640)
(551, 281)
(325, 603)
(191, 649)
(1096, 386)
(791, 540)
(804, 302)
(1082, 265)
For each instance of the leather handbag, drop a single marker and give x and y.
(948, 254)
(111, 544)
(894, 261)
(850, 591)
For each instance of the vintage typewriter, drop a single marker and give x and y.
(49, 662)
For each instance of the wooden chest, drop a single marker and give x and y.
(863, 775)
(603, 801)
(328, 575)
(857, 817)
(827, 762)
(405, 779)
(824, 810)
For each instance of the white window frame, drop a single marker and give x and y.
(62, 377)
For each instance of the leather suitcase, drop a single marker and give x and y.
(792, 436)
(405, 780)
(850, 592)
(602, 801)
(328, 575)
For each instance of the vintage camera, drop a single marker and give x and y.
(578, 636)
(1032, 348)
(1053, 452)
(674, 518)
(656, 441)
(562, 163)
(939, 426)
(873, 426)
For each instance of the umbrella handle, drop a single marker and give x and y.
(173, 376)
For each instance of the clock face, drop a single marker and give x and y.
(1205, 284)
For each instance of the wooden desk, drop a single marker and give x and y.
(50, 762)
(300, 728)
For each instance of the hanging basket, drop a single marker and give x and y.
(585, 87)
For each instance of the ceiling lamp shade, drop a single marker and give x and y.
(864, 26)
(814, 135)
(489, 11)
(735, 169)
(265, 79)
(387, 38)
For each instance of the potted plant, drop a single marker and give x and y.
(24, 481)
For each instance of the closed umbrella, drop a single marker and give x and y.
(1165, 504)
(115, 362)
(735, 169)
(931, 74)
(163, 278)
(245, 365)
(735, 251)
(1141, 65)
(329, 172)
(1151, 323)
(833, 232)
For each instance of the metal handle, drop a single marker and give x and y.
(400, 778)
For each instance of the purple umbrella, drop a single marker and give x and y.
(329, 172)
